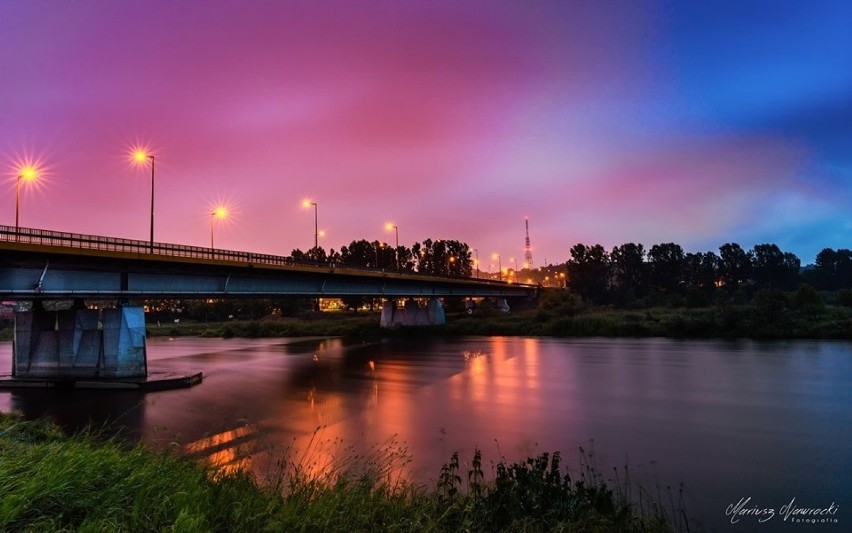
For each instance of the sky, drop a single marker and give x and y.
(608, 122)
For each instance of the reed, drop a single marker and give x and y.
(53, 482)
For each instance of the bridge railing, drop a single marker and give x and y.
(45, 237)
(115, 244)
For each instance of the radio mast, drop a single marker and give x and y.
(527, 249)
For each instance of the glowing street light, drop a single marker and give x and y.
(391, 226)
(499, 265)
(141, 156)
(28, 174)
(516, 268)
(308, 203)
(219, 213)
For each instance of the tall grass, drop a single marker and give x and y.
(50, 482)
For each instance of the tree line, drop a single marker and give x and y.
(441, 257)
(628, 272)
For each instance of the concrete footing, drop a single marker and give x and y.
(154, 382)
(412, 314)
(80, 343)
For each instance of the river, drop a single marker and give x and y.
(769, 422)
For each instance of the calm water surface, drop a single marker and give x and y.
(728, 420)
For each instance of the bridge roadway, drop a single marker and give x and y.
(40, 264)
(107, 347)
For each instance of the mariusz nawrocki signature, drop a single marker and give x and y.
(790, 512)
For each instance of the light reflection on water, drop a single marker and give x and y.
(728, 419)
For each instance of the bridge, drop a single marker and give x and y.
(39, 265)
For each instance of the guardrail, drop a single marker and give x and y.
(114, 244)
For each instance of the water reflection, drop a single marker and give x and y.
(728, 419)
(81, 410)
(227, 451)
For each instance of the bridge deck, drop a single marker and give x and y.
(42, 264)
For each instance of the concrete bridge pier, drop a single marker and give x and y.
(412, 314)
(80, 343)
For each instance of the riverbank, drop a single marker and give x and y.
(727, 322)
(53, 482)
(561, 319)
(774, 316)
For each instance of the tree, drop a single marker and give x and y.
(404, 259)
(384, 256)
(774, 269)
(443, 258)
(734, 266)
(665, 266)
(701, 270)
(833, 269)
(360, 254)
(628, 269)
(317, 255)
(588, 271)
(314, 255)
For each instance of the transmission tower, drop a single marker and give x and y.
(527, 249)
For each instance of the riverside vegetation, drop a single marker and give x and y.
(53, 482)
(767, 314)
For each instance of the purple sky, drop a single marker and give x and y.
(604, 122)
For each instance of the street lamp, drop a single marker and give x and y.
(377, 246)
(391, 226)
(141, 156)
(476, 261)
(450, 262)
(516, 268)
(499, 266)
(29, 174)
(308, 203)
(220, 213)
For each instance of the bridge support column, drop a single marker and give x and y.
(72, 344)
(412, 314)
(435, 311)
(388, 312)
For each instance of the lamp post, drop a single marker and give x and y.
(499, 266)
(220, 213)
(28, 173)
(516, 267)
(308, 203)
(141, 156)
(391, 226)
(476, 261)
(450, 262)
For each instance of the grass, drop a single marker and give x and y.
(721, 321)
(51, 482)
